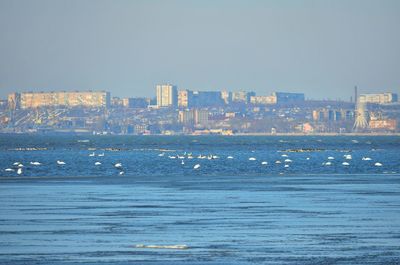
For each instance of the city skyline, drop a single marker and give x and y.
(319, 48)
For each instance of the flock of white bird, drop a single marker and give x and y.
(18, 166)
(285, 159)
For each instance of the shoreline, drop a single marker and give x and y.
(211, 134)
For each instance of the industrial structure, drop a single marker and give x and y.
(361, 120)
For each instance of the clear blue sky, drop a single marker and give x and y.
(322, 48)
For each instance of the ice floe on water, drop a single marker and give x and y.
(162, 246)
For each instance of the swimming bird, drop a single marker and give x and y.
(284, 155)
(196, 166)
(328, 163)
(264, 163)
(9, 170)
(97, 163)
(330, 158)
(16, 163)
(20, 165)
(19, 171)
(182, 162)
(377, 164)
(307, 158)
(252, 159)
(288, 161)
(190, 156)
(286, 165)
(229, 157)
(277, 162)
(345, 164)
(172, 157)
(162, 154)
(121, 172)
(181, 157)
(35, 163)
(347, 157)
(118, 165)
(60, 162)
(92, 154)
(366, 158)
(102, 154)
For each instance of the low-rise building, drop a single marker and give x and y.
(380, 98)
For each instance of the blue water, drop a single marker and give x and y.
(229, 211)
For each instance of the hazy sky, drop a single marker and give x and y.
(322, 48)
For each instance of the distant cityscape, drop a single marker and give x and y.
(176, 111)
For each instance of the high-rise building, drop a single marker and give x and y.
(185, 98)
(167, 95)
(28, 100)
(193, 117)
(380, 98)
(242, 96)
(262, 100)
(226, 96)
(135, 103)
(204, 99)
(284, 98)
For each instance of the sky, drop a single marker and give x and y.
(321, 48)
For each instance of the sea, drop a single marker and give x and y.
(110, 199)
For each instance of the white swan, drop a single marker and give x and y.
(102, 154)
(264, 163)
(19, 171)
(60, 162)
(330, 158)
(196, 166)
(284, 155)
(286, 166)
(121, 172)
(252, 159)
(366, 159)
(92, 154)
(229, 157)
(277, 162)
(182, 162)
(345, 164)
(97, 163)
(118, 165)
(288, 161)
(35, 163)
(377, 164)
(162, 154)
(9, 170)
(328, 163)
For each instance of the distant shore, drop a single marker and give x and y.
(211, 134)
(317, 134)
